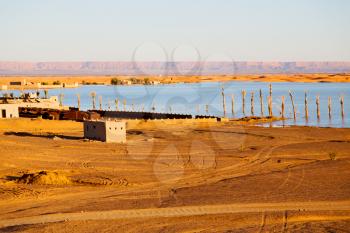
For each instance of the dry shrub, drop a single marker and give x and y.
(44, 178)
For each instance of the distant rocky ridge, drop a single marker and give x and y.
(169, 68)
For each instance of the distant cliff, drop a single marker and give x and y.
(169, 68)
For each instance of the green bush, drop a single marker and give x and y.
(134, 81)
(116, 81)
(86, 83)
(57, 83)
(146, 81)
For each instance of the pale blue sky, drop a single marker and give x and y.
(114, 30)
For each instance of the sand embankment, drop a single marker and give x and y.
(293, 178)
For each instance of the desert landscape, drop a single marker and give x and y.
(174, 176)
(106, 79)
(175, 116)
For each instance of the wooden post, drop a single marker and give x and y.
(282, 107)
(132, 106)
(342, 107)
(223, 101)
(261, 103)
(124, 105)
(117, 104)
(306, 107)
(292, 100)
(270, 100)
(243, 101)
(78, 99)
(100, 101)
(109, 105)
(61, 99)
(233, 104)
(46, 93)
(329, 107)
(93, 98)
(318, 107)
(269, 105)
(252, 103)
(207, 108)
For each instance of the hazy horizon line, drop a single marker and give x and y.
(270, 61)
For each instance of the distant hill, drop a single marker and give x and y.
(169, 68)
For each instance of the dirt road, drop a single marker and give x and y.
(179, 212)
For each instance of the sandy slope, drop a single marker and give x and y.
(213, 173)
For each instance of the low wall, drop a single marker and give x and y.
(141, 115)
(154, 116)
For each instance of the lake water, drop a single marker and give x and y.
(193, 99)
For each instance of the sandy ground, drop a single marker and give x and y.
(175, 176)
(186, 79)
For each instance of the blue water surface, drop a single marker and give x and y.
(197, 98)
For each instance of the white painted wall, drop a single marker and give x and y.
(9, 111)
(106, 131)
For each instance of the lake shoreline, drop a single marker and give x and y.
(207, 99)
(159, 80)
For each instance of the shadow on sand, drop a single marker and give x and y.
(48, 135)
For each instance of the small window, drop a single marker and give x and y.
(121, 128)
(110, 128)
(115, 128)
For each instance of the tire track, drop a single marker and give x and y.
(177, 212)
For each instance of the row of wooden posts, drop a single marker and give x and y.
(282, 114)
(243, 93)
(93, 98)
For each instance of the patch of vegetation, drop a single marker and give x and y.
(116, 81)
(135, 81)
(44, 178)
(44, 83)
(332, 155)
(89, 83)
(57, 82)
(146, 81)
